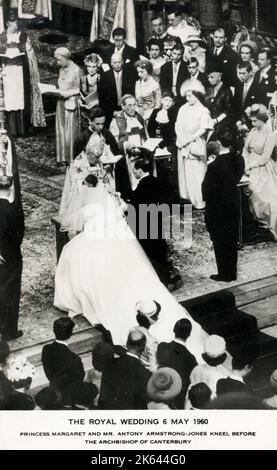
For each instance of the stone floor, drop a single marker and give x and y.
(41, 188)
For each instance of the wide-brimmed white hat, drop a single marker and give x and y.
(195, 38)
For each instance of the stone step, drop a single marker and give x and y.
(265, 311)
(254, 291)
(236, 296)
(254, 344)
(229, 323)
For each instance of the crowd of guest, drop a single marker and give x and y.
(144, 374)
(187, 93)
(213, 111)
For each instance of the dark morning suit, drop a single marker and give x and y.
(178, 357)
(218, 104)
(150, 191)
(63, 368)
(268, 85)
(228, 59)
(129, 53)
(11, 235)
(255, 94)
(129, 384)
(222, 210)
(202, 78)
(166, 77)
(108, 98)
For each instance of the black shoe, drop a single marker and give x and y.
(218, 278)
(14, 335)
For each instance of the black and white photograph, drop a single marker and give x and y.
(138, 224)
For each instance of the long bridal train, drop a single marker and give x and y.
(103, 272)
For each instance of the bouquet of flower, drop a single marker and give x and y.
(19, 371)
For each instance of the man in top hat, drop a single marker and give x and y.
(23, 100)
(220, 192)
(195, 47)
(176, 355)
(214, 356)
(225, 56)
(11, 236)
(218, 100)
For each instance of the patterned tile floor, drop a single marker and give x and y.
(41, 188)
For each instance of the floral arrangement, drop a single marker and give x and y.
(19, 371)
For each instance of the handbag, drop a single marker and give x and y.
(70, 104)
(197, 148)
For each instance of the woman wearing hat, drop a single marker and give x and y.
(68, 120)
(148, 314)
(196, 48)
(163, 387)
(192, 128)
(247, 53)
(261, 170)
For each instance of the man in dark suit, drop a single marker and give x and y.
(158, 27)
(265, 77)
(130, 377)
(11, 236)
(247, 92)
(225, 56)
(195, 74)
(115, 83)
(63, 368)
(218, 100)
(150, 225)
(220, 192)
(174, 73)
(177, 356)
(129, 54)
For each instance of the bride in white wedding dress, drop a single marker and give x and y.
(103, 272)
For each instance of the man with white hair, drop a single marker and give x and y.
(114, 84)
